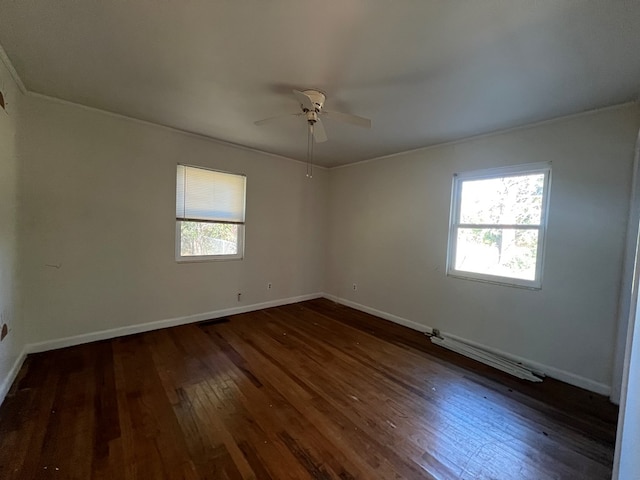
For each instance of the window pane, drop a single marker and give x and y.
(515, 200)
(504, 252)
(200, 238)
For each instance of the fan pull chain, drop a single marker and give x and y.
(311, 157)
(308, 148)
(309, 151)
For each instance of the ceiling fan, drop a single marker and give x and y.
(312, 106)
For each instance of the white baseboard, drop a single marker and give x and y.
(379, 313)
(169, 322)
(558, 374)
(11, 376)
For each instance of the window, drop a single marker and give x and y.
(498, 222)
(209, 214)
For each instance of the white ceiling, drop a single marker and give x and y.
(425, 72)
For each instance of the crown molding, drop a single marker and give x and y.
(166, 127)
(4, 58)
(494, 133)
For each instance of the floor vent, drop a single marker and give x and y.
(488, 358)
(213, 321)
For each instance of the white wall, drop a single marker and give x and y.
(11, 347)
(98, 197)
(389, 229)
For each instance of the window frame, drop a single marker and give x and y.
(210, 258)
(454, 223)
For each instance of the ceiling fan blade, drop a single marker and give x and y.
(277, 117)
(304, 99)
(319, 133)
(348, 118)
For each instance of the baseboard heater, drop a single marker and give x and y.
(488, 358)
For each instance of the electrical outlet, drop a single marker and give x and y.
(239, 296)
(355, 286)
(269, 286)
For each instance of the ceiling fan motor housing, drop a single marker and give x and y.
(316, 97)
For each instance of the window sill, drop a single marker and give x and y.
(494, 280)
(225, 258)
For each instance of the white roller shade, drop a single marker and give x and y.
(210, 196)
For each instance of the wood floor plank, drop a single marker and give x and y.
(226, 397)
(288, 394)
(379, 427)
(340, 400)
(282, 415)
(313, 390)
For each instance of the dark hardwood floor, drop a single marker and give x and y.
(312, 390)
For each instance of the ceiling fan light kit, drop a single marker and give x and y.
(312, 106)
